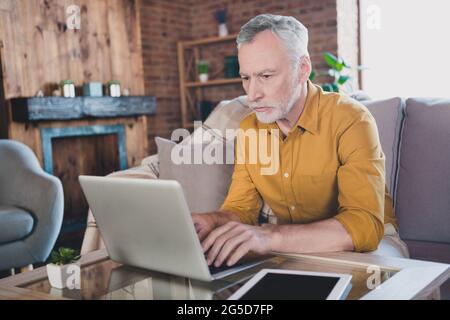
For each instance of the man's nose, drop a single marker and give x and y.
(254, 92)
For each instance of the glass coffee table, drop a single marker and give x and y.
(373, 277)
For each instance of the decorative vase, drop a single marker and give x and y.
(93, 89)
(223, 30)
(113, 88)
(203, 77)
(67, 88)
(58, 275)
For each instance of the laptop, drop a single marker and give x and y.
(147, 224)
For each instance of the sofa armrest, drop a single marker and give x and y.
(42, 195)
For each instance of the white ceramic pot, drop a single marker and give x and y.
(58, 275)
(203, 77)
(223, 30)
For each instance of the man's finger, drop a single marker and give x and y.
(202, 233)
(230, 245)
(214, 234)
(241, 251)
(220, 241)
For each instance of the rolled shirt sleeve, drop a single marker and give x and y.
(361, 183)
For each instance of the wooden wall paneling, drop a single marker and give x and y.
(100, 51)
(10, 71)
(40, 50)
(137, 142)
(137, 63)
(90, 58)
(72, 44)
(117, 38)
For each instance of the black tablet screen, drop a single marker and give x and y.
(277, 286)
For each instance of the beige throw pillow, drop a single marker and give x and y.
(205, 185)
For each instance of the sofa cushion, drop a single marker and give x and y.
(423, 189)
(205, 185)
(430, 251)
(388, 115)
(15, 224)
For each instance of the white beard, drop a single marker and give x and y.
(279, 109)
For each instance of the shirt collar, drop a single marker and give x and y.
(309, 118)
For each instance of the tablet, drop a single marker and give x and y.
(275, 284)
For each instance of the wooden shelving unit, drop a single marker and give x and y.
(189, 53)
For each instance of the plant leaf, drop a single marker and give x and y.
(64, 256)
(335, 87)
(327, 87)
(343, 79)
(330, 59)
(340, 64)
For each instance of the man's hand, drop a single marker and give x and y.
(204, 223)
(233, 240)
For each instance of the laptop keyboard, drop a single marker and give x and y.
(214, 270)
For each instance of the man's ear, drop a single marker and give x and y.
(305, 69)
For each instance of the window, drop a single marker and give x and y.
(405, 46)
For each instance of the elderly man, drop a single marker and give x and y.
(329, 192)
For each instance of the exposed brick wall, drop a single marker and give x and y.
(166, 22)
(319, 16)
(163, 23)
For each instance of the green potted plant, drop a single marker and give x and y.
(338, 71)
(202, 67)
(59, 269)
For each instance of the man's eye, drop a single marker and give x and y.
(266, 76)
(244, 78)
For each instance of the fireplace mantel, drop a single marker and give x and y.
(60, 108)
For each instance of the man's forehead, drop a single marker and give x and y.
(260, 63)
(265, 53)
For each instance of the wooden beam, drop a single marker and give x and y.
(59, 108)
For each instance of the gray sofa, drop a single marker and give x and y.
(415, 136)
(31, 207)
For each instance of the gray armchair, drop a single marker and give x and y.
(31, 207)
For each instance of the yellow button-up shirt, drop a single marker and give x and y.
(330, 165)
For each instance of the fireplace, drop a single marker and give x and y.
(81, 136)
(86, 150)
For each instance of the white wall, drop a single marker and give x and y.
(406, 46)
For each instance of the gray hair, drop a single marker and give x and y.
(292, 33)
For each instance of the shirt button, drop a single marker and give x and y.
(286, 175)
(293, 208)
